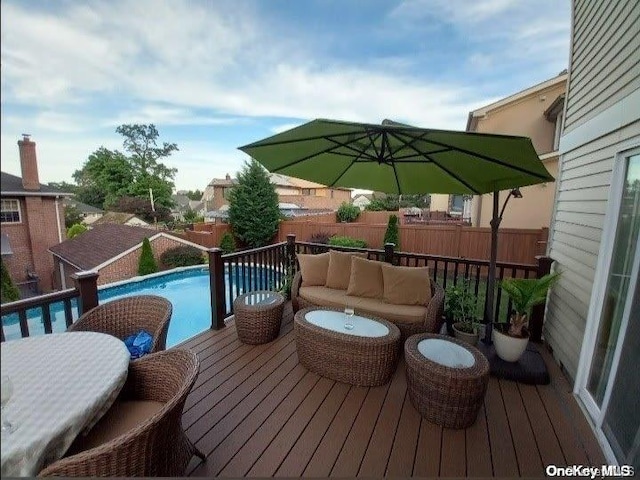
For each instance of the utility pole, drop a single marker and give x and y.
(153, 208)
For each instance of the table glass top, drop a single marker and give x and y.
(332, 320)
(446, 353)
(261, 298)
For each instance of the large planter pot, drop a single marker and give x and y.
(470, 338)
(509, 349)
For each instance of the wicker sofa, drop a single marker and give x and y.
(416, 316)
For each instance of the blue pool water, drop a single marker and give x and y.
(187, 290)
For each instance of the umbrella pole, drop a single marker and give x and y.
(491, 278)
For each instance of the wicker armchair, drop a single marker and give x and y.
(157, 446)
(127, 316)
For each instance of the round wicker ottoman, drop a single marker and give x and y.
(258, 316)
(367, 355)
(446, 379)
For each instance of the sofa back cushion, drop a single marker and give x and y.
(406, 285)
(313, 268)
(366, 278)
(339, 272)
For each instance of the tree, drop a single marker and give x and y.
(105, 177)
(10, 292)
(72, 216)
(392, 234)
(253, 206)
(194, 195)
(141, 207)
(147, 262)
(182, 256)
(347, 212)
(393, 202)
(191, 216)
(227, 244)
(64, 186)
(75, 230)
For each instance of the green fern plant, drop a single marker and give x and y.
(526, 294)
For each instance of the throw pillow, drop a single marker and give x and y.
(313, 268)
(406, 285)
(366, 278)
(339, 272)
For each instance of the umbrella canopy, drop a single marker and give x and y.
(401, 159)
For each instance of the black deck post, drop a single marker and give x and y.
(389, 252)
(87, 285)
(291, 253)
(216, 287)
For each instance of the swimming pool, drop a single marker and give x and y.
(186, 288)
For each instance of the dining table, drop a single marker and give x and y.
(63, 383)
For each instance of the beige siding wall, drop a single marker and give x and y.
(533, 210)
(605, 66)
(583, 191)
(439, 202)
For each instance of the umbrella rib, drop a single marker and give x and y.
(490, 159)
(349, 147)
(262, 143)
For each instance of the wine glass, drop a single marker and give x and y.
(6, 391)
(348, 311)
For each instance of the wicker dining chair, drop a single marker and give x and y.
(156, 446)
(127, 316)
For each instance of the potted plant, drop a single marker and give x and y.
(511, 339)
(460, 309)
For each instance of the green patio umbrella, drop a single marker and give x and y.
(401, 159)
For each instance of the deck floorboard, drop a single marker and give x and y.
(255, 411)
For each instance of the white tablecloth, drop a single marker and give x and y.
(62, 384)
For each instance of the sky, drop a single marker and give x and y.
(216, 75)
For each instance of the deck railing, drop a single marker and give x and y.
(270, 267)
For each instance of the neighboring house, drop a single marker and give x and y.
(89, 213)
(32, 220)
(120, 218)
(111, 250)
(361, 200)
(536, 113)
(305, 194)
(183, 204)
(593, 314)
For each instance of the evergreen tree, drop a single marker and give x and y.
(227, 244)
(75, 230)
(147, 263)
(10, 292)
(392, 235)
(253, 206)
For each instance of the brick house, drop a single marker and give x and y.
(32, 218)
(302, 193)
(112, 250)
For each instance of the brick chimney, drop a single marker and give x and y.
(28, 163)
(227, 176)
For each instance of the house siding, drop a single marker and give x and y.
(583, 190)
(605, 66)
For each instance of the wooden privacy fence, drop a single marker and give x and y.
(514, 245)
(208, 235)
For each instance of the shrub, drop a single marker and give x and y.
(10, 292)
(338, 241)
(320, 237)
(227, 243)
(147, 262)
(182, 256)
(392, 235)
(75, 230)
(254, 214)
(348, 212)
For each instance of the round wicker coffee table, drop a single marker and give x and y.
(446, 379)
(258, 316)
(366, 355)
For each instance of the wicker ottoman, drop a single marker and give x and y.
(258, 316)
(367, 355)
(446, 379)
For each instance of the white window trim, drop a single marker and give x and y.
(596, 305)
(19, 210)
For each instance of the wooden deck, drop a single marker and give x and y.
(255, 411)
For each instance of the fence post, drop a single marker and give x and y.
(291, 253)
(87, 285)
(537, 313)
(389, 252)
(216, 288)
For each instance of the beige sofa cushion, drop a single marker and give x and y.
(406, 285)
(329, 297)
(366, 278)
(339, 272)
(313, 268)
(394, 313)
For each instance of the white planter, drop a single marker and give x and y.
(509, 349)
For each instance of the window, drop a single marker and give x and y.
(457, 204)
(558, 132)
(332, 193)
(10, 211)
(309, 191)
